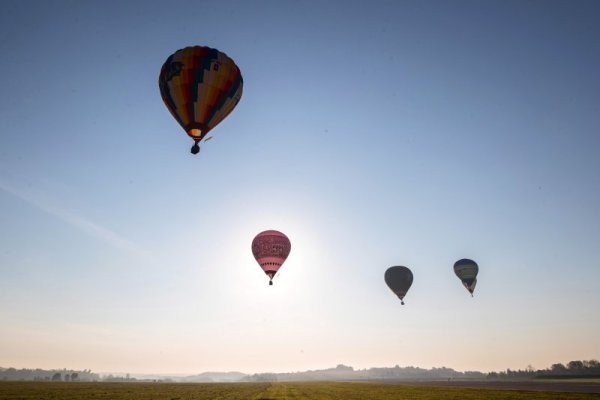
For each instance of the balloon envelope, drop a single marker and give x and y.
(399, 279)
(467, 270)
(270, 249)
(200, 86)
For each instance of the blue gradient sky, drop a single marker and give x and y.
(372, 133)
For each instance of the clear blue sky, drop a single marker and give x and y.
(372, 133)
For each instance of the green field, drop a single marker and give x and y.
(260, 391)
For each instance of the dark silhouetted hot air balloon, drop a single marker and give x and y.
(467, 270)
(270, 249)
(399, 279)
(200, 86)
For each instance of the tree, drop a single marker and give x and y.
(530, 368)
(558, 368)
(57, 377)
(575, 365)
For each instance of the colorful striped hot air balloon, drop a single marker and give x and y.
(270, 249)
(200, 86)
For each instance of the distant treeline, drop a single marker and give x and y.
(66, 375)
(573, 369)
(12, 374)
(343, 372)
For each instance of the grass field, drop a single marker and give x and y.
(262, 391)
(585, 380)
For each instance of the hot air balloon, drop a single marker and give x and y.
(467, 270)
(270, 249)
(200, 86)
(399, 279)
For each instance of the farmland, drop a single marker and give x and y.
(267, 391)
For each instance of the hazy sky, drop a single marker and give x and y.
(372, 133)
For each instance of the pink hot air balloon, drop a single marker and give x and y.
(270, 249)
